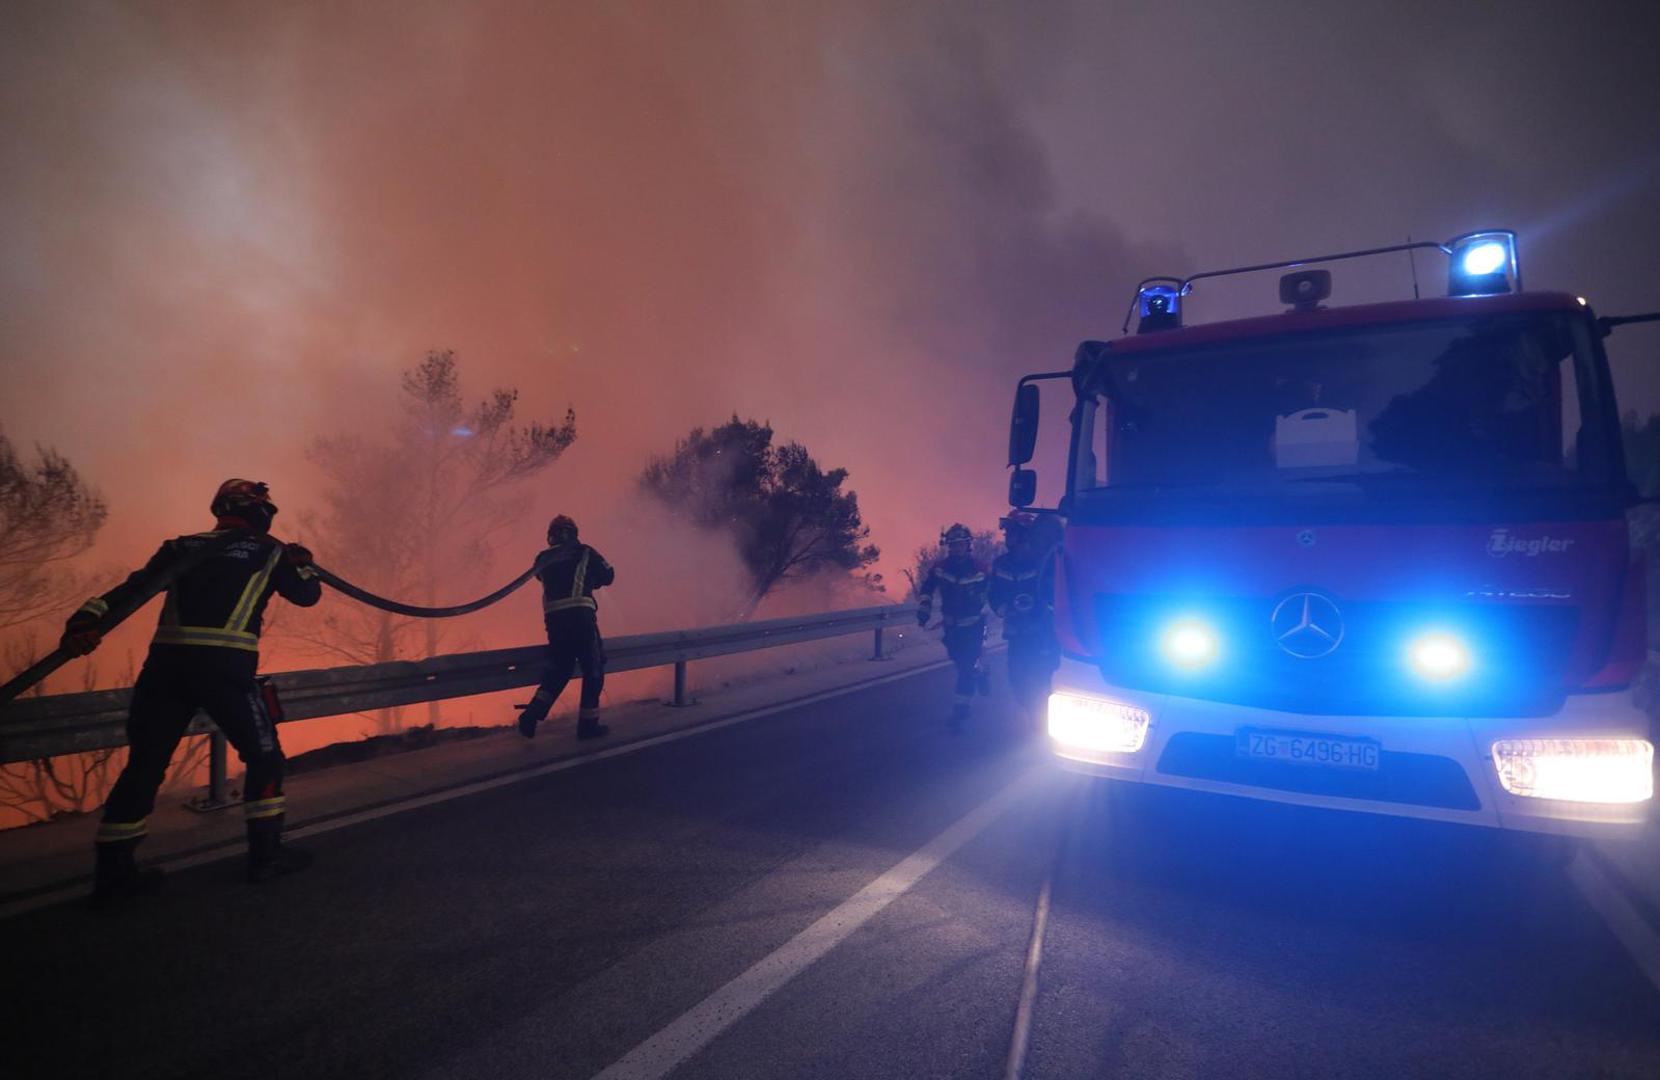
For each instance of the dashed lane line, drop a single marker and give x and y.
(697, 1027)
(1028, 986)
(1630, 928)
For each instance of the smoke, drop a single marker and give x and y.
(230, 226)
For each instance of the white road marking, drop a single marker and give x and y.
(1640, 939)
(415, 802)
(698, 1026)
(1028, 986)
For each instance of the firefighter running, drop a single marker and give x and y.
(204, 655)
(1022, 594)
(570, 573)
(961, 583)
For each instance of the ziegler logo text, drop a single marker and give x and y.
(1501, 543)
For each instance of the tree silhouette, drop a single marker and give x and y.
(413, 513)
(788, 517)
(48, 515)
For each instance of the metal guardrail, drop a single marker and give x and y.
(40, 727)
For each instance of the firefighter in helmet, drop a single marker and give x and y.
(570, 572)
(204, 655)
(1022, 594)
(961, 584)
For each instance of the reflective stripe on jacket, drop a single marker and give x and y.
(220, 601)
(569, 578)
(961, 585)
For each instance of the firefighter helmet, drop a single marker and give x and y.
(561, 526)
(956, 534)
(249, 500)
(1018, 522)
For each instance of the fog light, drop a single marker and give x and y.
(1189, 644)
(1439, 657)
(1577, 770)
(1096, 724)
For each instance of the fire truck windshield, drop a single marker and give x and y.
(1378, 416)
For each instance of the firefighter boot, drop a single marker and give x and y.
(534, 713)
(268, 856)
(588, 725)
(118, 876)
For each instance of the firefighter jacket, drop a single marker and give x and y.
(219, 599)
(1022, 594)
(961, 584)
(569, 577)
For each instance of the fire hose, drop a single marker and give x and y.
(120, 613)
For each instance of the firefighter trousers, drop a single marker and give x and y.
(176, 681)
(573, 642)
(963, 645)
(1033, 660)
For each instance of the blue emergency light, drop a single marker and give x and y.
(1483, 264)
(1159, 302)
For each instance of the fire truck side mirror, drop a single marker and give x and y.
(1023, 426)
(1022, 488)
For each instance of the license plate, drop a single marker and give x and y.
(1303, 748)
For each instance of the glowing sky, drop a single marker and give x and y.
(227, 226)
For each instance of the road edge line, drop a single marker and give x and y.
(189, 860)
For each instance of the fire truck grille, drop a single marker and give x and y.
(1518, 656)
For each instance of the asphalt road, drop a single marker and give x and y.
(844, 890)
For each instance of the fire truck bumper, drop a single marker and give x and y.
(1585, 771)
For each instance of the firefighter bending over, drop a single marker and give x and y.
(570, 573)
(1022, 594)
(961, 583)
(204, 655)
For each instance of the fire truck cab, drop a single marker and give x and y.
(1370, 558)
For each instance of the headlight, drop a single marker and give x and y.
(1097, 724)
(1189, 644)
(1577, 770)
(1439, 657)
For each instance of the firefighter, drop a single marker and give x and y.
(961, 583)
(204, 655)
(1022, 594)
(570, 572)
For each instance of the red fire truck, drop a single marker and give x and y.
(1370, 557)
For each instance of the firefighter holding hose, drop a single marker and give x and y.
(204, 655)
(570, 571)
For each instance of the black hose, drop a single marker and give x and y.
(55, 659)
(364, 597)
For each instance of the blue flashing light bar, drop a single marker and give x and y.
(1160, 305)
(1483, 264)
(1190, 644)
(1439, 656)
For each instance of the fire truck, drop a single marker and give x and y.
(1369, 557)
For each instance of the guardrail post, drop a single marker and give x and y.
(876, 653)
(216, 797)
(680, 684)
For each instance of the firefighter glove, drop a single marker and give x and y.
(81, 634)
(298, 555)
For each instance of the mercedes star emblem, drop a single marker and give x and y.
(1307, 625)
